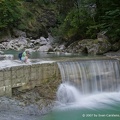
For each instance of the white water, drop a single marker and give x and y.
(89, 84)
(92, 76)
(68, 97)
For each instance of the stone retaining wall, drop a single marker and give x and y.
(26, 76)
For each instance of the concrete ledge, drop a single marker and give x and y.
(26, 76)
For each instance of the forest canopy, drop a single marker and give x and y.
(76, 19)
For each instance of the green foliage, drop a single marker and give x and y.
(81, 18)
(9, 13)
(86, 18)
(111, 24)
(108, 16)
(76, 22)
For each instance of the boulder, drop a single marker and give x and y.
(90, 46)
(2, 47)
(22, 41)
(1, 52)
(116, 46)
(101, 35)
(18, 33)
(43, 41)
(9, 46)
(30, 50)
(45, 48)
(59, 48)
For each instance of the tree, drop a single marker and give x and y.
(107, 18)
(9, 13)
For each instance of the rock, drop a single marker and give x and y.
(50, 39)
(18, 33)
(37, 42)
(45, 48)
(90, 46)
(41, 44)
(21, 47)
(43, 41)
(102, 36)
(59, 48)
(1, 52)
(30, 45)
(56, 49)
(17, 48)
(62, 47)
(22, 41)
(2, 47)
(16, 44)
(32, 41)
(30, 50)
(9, 46)
(35, 34)
(2, 57)
(116, 46)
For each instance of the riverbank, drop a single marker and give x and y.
(27, 105)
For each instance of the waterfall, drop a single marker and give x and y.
(91, 76)
(89, 84)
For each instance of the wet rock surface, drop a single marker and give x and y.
(115, 55)
(90, 46)
(11, 109)
(27, 105)
(16, 116)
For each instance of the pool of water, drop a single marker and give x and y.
(54, 55)
(104, 106)
(42, 55)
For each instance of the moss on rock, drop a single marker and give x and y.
(91, 46)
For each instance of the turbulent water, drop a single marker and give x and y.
(97, 80)
(70, 97)
(90, 90)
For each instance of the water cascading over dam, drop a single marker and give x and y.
(91, 76)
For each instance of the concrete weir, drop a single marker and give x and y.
(26, 76)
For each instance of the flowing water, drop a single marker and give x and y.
(91, 76)
(89, 90)
(42, 55)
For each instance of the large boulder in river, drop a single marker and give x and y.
(116, 46)
(90, 46)
(45, 48)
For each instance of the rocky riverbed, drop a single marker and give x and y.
(27, 105)
(11, 109)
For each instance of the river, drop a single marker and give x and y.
(92, 94)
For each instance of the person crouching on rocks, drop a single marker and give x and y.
(25, 56)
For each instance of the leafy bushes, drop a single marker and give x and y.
(9, 13)
(76, 19)
(86, 18)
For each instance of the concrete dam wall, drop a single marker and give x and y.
(26, 76)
